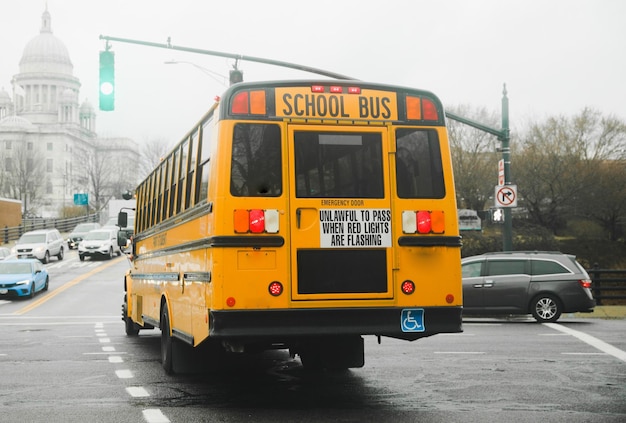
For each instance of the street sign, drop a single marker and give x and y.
(506, 196)
(501, 172)
(81, 199)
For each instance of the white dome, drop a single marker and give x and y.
(16, 122)
(45, 52)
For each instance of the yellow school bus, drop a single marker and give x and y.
(301, 215)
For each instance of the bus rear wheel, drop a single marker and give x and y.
(131, 328)
(167, 358)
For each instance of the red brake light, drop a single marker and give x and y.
(317, 89)
(240, 103)
(424, 222)
(275, 289)
(408, 287)
(585, 283)
(257, 221)
(429, 109)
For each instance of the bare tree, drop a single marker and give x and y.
(474, 157)
(24, 172)
(559, 163)
(151, 154)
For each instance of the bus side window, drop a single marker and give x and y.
(256, 169)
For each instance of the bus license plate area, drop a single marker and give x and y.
(336, 271)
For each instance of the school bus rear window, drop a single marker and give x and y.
(338, 165)
(419, 171)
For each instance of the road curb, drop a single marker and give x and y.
(605, 312)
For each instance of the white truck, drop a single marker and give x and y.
(115, 207)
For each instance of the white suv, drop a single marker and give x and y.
(41, 244)
(99, 242)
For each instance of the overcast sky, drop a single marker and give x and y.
(556, 56)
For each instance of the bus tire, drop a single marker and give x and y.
(131, 328)
(167, 358)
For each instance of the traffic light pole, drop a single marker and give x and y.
(237, 57)
(504, 137)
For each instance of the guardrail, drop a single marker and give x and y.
(609, 285)
(8, 234)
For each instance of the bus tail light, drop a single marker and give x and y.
(420, 108)
(423, 222)
(249, 103)
(275, 288)
(408, 287)
(256, 221)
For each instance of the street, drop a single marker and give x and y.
(64, 357)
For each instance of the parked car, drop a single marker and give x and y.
(41, 244)
(79, 232)
(22, 277)
(544, 284)
(4, 253)
(99, 243)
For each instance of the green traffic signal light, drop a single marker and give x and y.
(107, 80)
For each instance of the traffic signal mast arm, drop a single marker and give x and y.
(230, 56)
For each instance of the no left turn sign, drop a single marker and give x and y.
(506, 196)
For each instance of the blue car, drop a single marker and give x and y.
(22, 278)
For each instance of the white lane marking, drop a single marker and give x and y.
(137, 391)
(154, 415)
(115, 359)
(104, 340)
(124, 374)
(108, 349)
(459, 352)
(588, 339)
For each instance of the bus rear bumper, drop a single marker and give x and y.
(402, 323)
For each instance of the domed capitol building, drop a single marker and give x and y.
(49, 148)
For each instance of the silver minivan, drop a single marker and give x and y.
(544, 284)
(41, 244)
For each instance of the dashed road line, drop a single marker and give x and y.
(154, 415)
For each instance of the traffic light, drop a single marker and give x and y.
(235, 76)
(107, 80)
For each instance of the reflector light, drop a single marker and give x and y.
(257, 221)
(424, 223)
(271, 221)
(438, 221)
(241, 219)
(354, 90)
(317, 89)
(240, 103)
(429, 109)
(257, 102)
(335, 89)
(413, 108)
(409, 222)
(585, 283)
(230, 302)
(408, 287)
(449, 298)
(275, 288)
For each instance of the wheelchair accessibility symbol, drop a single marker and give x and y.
(412, 320)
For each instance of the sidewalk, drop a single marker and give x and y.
(605, 312)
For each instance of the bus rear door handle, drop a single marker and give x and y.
(298, 217)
